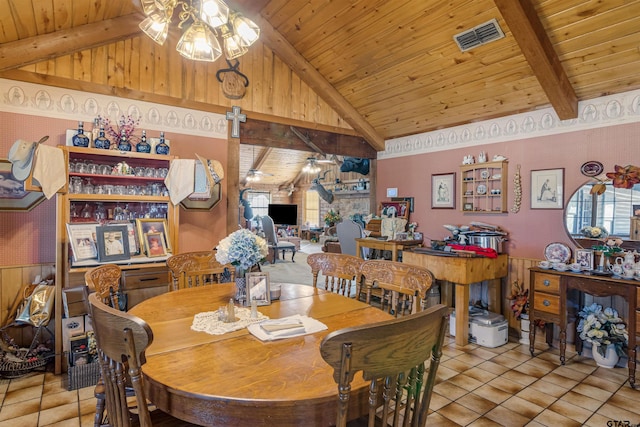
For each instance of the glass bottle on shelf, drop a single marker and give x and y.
(80, 139)
(86, 211)
(95, 132)
(124, 144)
(162, 147)
(100, 214)
(143, 146)
(101, 141)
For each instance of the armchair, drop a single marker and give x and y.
(272, 240)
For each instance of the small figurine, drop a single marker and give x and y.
(468, 160)
(482, 157)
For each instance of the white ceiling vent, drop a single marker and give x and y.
(482, 34)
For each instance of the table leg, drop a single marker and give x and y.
(394, 253)
(462, 314)
(532, 336)
(631, 355)
(358, 250)
(563, 343)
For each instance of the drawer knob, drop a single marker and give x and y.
(546, 303)
(546, 282)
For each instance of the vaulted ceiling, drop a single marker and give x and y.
(368, 69)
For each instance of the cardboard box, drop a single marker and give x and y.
(73, 301)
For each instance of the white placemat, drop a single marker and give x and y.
(286, 327)
(210, 323)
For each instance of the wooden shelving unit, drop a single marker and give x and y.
(483, 187)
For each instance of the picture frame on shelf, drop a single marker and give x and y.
(82, 238)
(467, 207)
(13, 194)
(547, 189)
(154, 244)
(153, 225)
(132, 234)
(258, 288)
(585, 257)
(443, 190)
(404, 199)
(113, 243)
(394, 209)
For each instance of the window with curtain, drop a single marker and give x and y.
(259, 201)
(311, 208)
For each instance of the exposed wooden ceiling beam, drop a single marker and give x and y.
(525, 25)
(257, 163)
(307, 73)
(255, 132)
(64, 42)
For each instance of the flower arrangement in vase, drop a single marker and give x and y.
(124, 128)
(594, 232)
(603, 327)
(242, 249)
(331, 218)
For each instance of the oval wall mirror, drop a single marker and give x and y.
(617, 211)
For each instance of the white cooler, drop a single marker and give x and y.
(485, 328)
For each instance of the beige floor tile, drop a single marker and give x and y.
(26, 382)
(465, 382)
(570, 410)
(23, 394)
(449, 390)
(559, 380)
(493, 394)
(58, 399)
(470, 359)
(52, 387)
(505, 361)
(629, 394)
(21, 421)
(582, 401)
(536, 397)
(86, 421)
(506, 385)
(493, 367)
(458, 413)
(456, 365)
(517, 355)
(505, 417)
(530, 369)
(572, 374)
(597, 420)
(551, 419)
(521, 406)
(480, 374)
(631, 412)
(519, 377)
(438, 401)
(75, 422)
(65, 412)
(543, 364)
(618, 376)
(592, 392)
(88, 392)
(88, 406)
(604, 383)
(476, 403)
(484, 353)
(437, 420)
(549, 388)
(8, 412)
(484, 422)
(584, 367)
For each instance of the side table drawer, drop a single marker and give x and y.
(547, 283)
(142, 284)
(546, 302)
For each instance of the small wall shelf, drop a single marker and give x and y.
(483, 187)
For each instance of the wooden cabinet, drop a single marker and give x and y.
(483, 187)
(634, 232)
(108, 187)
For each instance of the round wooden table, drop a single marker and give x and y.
(237, 380)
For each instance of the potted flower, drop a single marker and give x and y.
(594, 232)
(331, 218)
(606, 332)
(519, 306)
(411, 228)
(242, 249)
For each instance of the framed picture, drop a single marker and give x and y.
(636, 210)
(467, 207)
(82, 238)
(394, 209)
(134, 240)
(404, 199)
(547, 189)
(258, 288)
(113, 243)
(154, 244)
(13, 195)
(584, 257)
(443, 191)
(153, 225)
(401, 236)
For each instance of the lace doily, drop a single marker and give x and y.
(210, 322)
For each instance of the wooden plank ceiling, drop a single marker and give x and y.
(369, 69)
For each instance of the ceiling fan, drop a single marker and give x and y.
(254, 174)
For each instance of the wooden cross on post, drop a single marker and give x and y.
(236, 117)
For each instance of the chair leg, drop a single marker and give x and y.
(293, 253)
(97, 421)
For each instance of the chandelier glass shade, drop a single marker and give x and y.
(253, 177)
(206, 23)
(311, 167)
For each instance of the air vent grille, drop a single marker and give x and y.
(479, 35)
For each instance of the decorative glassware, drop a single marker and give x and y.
(162, 147)
(124, 144)
(80, 139)
(101, 141)
(143, 146)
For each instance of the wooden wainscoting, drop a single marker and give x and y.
(13, 281)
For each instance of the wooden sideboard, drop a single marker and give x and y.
(555, 297)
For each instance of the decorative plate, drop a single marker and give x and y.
(482, 189)
(557, 252)
(591, 168)
(484, 174)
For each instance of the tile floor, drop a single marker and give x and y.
(477, 386)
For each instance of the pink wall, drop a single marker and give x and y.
(529, 230)
(29, 237)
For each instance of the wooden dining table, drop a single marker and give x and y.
(235, 379)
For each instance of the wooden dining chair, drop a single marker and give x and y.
(192, 269)
(392, 355)
(399, 288)
(124, 337)
(340, 271)
(105, 282)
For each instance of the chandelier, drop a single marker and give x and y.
(205, 21)
(311, 166)
(252, 176)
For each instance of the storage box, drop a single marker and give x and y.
(81, 376)
(485, 328)
(71, 327)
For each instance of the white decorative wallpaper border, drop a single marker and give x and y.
(595, 113)
(48, 101)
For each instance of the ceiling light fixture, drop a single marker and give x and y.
(206, 21)
(311, 166)
(253, 177)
